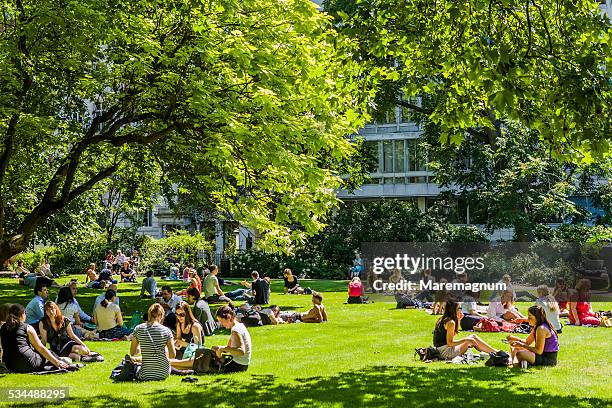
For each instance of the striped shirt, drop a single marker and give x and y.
(153, 339)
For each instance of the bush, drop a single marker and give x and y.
(181, 246)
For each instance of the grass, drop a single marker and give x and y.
(363, 357)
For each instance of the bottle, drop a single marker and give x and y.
(470, 355)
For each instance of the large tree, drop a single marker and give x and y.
(241, 104)
(542, 63)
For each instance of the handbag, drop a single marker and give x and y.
(205, 362)
(190, 350)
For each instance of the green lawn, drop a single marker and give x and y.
(363, 357)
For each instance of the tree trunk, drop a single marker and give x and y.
(12, 246)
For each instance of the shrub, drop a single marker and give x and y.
(179, 246)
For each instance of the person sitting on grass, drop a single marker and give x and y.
(470, 312)
(108, 319)
(4, 312)
(35, 310)
(440, 298)
(544, 352)
(23, 351)
(106, 277)
(194, 282)
(169, 302)
(550, 306)
(70, 309)
(91, 277)
(201, 311)
(45, 269)
(446, 329)
(149, 285)
(561, 295)
(355, 291)
(85, 318)
(292, 286)
(213, 291)
(153, 342)
(102, 295)
(188, 329)
(56, 330)
(580, 311)
(127, 273)
(317, 314)
(238, 345)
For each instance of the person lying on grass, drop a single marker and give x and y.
(446, 329)
(317, 314)
(238, 345)
(56, 330)
(543, 334)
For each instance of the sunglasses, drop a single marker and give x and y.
(180, 314)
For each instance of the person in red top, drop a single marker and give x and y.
(195, 282)
(355, 291)
(580, 311)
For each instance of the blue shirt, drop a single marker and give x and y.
(35, 310)
(82, 315)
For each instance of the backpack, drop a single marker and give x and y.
(427, 354)
(523, 328)
(265, 319)
(404, 301)
(487, 325)
(498, 359)
(206, 362)
(251, 319)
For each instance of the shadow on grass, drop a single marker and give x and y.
(372, 387)
(379, 386)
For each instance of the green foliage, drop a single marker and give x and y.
(330, 253)
(245, 106)
(540, 63)
(179, 246)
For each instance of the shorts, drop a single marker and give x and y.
(547, 358)
(448, 353)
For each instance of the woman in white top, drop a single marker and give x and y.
(550, 306)
(108, 319)
(239, 344)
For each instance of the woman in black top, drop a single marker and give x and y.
(188, 329)
(23, 351)
(445, 330)
(56, 330)
(291, 283)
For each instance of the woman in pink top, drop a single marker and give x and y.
(355, 291)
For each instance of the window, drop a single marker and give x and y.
(388, 156)
(147, 217)
(416, 156)
(398, 156)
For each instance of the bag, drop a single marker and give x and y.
(251, 319)
(487, 325)
(509, 327)
(427, 354)
(523, 328)
(190, 350)
(126, 371)
(135, 320)
(265, 319)
(404, 301)
(606, 322)
(206, 362)
(498, 359)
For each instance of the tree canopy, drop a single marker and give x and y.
(244, 105)
(544, 64)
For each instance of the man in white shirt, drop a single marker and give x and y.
(169, 301)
